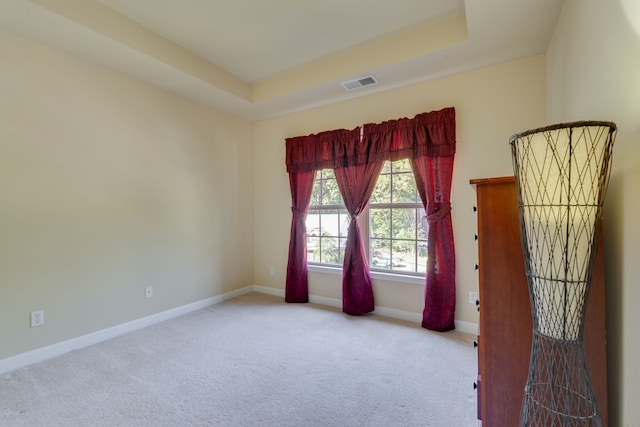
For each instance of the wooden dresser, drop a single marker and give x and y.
(505, 325)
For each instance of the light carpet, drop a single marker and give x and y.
(254, 361)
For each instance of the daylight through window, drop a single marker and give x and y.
(394, 222)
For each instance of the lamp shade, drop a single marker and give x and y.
(562, 174)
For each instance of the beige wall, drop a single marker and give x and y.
(594, 74)
(491, 104)
(107, 186)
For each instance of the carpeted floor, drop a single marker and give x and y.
(254, 361)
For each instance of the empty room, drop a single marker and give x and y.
(292, 213)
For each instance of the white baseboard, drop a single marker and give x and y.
(408, 316)
(331, 302)
(269, 291)
(43, 353)
(467, 327)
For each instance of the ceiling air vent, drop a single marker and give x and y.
(358, 83)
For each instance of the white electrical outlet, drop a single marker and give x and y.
(37, 318)
(272, 270)
(148, 291)
(473, 297)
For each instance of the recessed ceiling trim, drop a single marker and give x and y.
(479, 35)
(394, 49)
(103, 20)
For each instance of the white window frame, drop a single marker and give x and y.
(363, 220)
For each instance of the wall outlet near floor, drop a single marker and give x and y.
(473, 297)
(272, 270)
(148, 291)
(37, 318)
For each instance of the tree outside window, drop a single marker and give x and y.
(394, 222)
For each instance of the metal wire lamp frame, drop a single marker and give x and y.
(561, 173)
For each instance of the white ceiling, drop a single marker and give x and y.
(256, 39)
(263, 58)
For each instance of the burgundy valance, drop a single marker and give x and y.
(427, 134)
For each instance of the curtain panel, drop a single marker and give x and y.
(356, 184)
(433, 177)
(423, 138)
(301, 185)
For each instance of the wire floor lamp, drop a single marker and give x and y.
(562, 172)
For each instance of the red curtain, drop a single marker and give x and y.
(297, 287)
(429, 140)
(356, 185)
(427, 134)
(433, 179)
(305, 155)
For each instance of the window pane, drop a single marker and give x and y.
(403, 255)
(330, 191)
(315, 196)
(386, 168)
(401, 166)
(397, 234)
(313, 249)
(330, 223)
(422, 224)
(422, 257)
(380, 253)
(403, 247)
(382, 191)
(330, 250)
(313, 222)
(343, 244)
(345, 219)
(404, 188)
(404, 223)
(380, 223)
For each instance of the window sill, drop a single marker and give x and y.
(376, 275)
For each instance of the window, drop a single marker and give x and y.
(394, 222)
(327, 221)
(397, 222)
